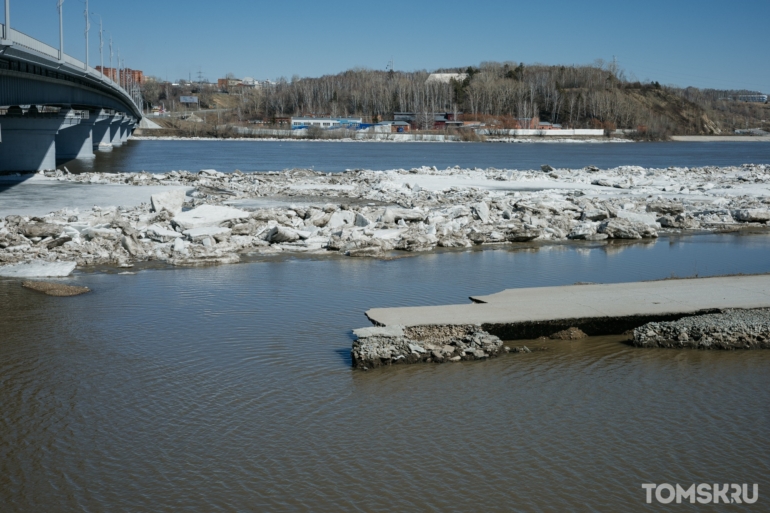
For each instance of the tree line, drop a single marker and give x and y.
(585, 96)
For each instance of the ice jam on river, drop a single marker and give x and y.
(209, 217)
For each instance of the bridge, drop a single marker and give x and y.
(55, 107)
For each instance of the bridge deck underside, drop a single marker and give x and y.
(16, 89)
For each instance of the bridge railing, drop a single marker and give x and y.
(30, 43)
(24, 40)
(73, 61)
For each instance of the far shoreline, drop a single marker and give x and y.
(511, 140)
(719, 138)
(502, 140)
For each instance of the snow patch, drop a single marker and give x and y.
(38, 268)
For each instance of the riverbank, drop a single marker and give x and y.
(499, 136)
(393, 138)
(719, 138)
(209, 217)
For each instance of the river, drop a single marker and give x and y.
(230, 389)
(254, 155)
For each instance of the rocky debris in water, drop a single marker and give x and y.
(365, 213)
(55, 243)
(204, 259)
(415, 240)
(665, 207)
(394, 215)
(361, 220)
(55, 289)
(171, 201)
(520, 349)
(731, 329)
(523, 234)
(481, 211)
(218, 233)
(681, 222)
(341, 218)
(208, 215)
(278, 234)
(626, 229)
(160, 233)
(40, 230)
(594, 214)
(132, 246)
(752, 215)
(370, 251)
(568, 334)
(381, 346)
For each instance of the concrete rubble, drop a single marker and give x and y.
(383, 346)
(364, 213)
(731, 329)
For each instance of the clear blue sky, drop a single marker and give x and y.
(684, 42)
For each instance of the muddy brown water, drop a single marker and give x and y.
(230, 389)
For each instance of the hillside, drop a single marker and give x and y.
(595, 96)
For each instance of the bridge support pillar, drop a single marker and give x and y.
(125, 130)
(116, 138)
(29, 140)
(76, 142)
(102, 136)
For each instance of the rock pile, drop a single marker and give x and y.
(364, 213)
(569, 334)
(381, 346)
(731, 329)
(55, 289)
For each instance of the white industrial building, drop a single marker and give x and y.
(754, 98)
(304, 122)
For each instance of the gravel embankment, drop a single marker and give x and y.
(731, 329)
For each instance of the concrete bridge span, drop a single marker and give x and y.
(54, 107)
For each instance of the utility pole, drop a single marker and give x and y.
(112, 70)
(88, 27)
(101, 45)
(7, 34)
(60, 5)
